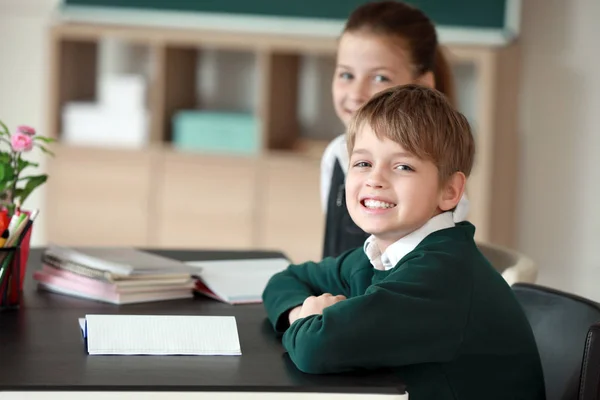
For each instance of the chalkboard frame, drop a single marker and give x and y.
(84, 11)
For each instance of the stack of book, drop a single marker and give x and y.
(114, 275)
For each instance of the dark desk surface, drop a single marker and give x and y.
(41, 348)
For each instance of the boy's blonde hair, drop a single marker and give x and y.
(423, 122)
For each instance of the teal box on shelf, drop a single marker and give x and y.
(216, 132)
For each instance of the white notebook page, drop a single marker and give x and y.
(239, 280)
(162, 335)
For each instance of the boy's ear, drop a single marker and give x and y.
(452, 191)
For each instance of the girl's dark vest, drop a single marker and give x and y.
(341, 233)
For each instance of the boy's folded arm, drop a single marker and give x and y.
(291, 287)
(395, 323)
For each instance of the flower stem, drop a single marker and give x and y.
(15, 179)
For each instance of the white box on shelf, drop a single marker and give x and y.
(89, 124)
(123, 92)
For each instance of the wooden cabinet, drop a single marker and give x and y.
(99, 197)
(159, 197)
(290, 215)
(205, 201)
(169, 199)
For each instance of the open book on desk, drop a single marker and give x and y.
(236, 281)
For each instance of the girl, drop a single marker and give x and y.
(383, 44)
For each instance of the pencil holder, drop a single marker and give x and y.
(13, 266)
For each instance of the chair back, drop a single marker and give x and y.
(514, 266)
(589, 384)
(560, 322)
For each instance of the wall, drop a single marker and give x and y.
(22, 78)
(559, 219)
(560, 138)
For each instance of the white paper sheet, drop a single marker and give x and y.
(162, 335)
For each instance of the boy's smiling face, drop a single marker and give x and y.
(390, 192)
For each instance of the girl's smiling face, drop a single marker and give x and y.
(366, 64)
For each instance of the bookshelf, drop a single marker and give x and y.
(161, 197)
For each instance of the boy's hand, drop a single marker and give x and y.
(293, 315)
(315, 305)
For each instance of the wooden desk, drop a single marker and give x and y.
(42, 352)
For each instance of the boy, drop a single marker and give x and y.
(418, 297)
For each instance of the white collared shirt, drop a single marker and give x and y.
(335, 151)
(397, 250)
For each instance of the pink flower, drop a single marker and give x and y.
(27, 130)
(21, 142)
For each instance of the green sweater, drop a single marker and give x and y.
(443, 318)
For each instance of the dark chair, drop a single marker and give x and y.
(561, 322)
(589, 386)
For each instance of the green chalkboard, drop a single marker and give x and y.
(452, 13)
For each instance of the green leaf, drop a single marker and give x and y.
(44, 139)
(5, 157)
(45, 150)
(7, 173)
(22, 164)
(24, 178)
(30, 186)
(3, 186)
(5, 129)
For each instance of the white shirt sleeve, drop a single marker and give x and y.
(336, 150)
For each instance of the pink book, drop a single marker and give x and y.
(103, 291)
(123, 286)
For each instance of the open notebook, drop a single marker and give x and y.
(160, 335)
(236, 281)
